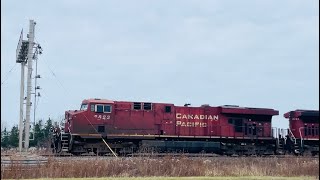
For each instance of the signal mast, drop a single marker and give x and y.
(26, 52)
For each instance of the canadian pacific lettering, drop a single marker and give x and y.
(191, 124)
(195, 116)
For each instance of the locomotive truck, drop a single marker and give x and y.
(102, 126)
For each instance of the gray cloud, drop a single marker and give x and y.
(251, 53)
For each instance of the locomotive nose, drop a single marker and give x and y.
(67, 117)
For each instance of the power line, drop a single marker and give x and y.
(7, 75)
(53, 74)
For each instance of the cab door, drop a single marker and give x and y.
(260, 129)
(250, 129)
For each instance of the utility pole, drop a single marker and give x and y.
(29, 83)
(21, 52)
(21, 106)
(26, 55)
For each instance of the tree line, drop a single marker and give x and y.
(39, 138)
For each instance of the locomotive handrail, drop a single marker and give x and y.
(213, 131)
(295, 140)
(283, 135)
(274, 132)
(233, 134)
(300, 136)
(70, 134)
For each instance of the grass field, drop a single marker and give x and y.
(162, 168)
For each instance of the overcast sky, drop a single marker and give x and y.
(255, 53)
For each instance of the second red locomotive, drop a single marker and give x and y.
(303, 131)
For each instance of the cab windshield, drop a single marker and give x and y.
(84, 107)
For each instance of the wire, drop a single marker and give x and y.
(7, 75)
(58, 79)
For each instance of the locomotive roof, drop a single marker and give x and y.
(231, 109)
(302, 113)
(96, 100)
(227, 109)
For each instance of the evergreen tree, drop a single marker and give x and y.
(14, 137)
(41, 135)
(47, 128)
(4, 138)
(38, 135)
(46, 133)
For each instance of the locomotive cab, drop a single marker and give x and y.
(92, 118)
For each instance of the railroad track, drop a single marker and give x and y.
(43, 158)
(189, 155)
(8, 163)
(24, 162)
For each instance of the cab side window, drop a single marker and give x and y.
(168, 109)
(92, 107)
(99, 108)
(103, 108)
(107, 109)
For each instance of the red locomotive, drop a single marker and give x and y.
(130, 127)
(304, 131)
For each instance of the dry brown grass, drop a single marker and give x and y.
(167, 166)
(36, 151)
